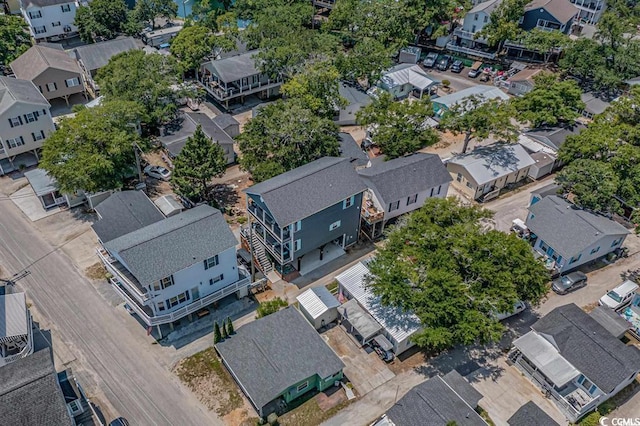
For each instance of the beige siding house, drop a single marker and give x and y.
(25, 122)
(483, 172)
(52, 71)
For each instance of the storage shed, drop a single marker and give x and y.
(318, 306)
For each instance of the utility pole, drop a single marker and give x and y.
(137, 151)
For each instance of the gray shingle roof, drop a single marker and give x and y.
(13, 315)
(488, 163)
(404, 176)
(562, 10)
(225, 120)
(173, 244)
(235, 67)
(356, 99)
(463, 388)
(531, 415)
(97, 55)
(589, 347)
(555, 137)
(176, 139)
(14, 90)
(306, 190)
(273, 353)
(551, 189)
(568, 229)
(610, 320)
(486, 6)
(43, 3)
(594, 104)
(39, 59)
(350, 149)
(124, 212)
(433, 403)
(29, 393)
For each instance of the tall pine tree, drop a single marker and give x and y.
(217, 335)
(198, 163)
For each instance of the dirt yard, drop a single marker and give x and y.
(208, 379)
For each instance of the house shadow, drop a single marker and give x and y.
(225, 197)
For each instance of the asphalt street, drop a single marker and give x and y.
(112, 361)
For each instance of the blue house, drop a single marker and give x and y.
(549, 15)
(304, 217)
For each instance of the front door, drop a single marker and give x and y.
(195, 293)
(48, 200)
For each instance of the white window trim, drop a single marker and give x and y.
(335, 225)
(348, 202)
(297, 245)
(302, 386)
(73, 82)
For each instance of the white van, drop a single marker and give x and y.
(619, 296)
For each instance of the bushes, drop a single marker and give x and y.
(270, 307)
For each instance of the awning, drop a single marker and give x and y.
(383, 342)
(541, 353)
(361, 322)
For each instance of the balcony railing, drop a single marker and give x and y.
(372, 215)
(269, 224)
(25, 351)
(192, 307)
(125, 277)
(324, 3)
(470, 51)
(272, 247)
(593, 6)
(468, 35)
(221, 93)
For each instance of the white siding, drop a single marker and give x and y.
(44, 124)
(51, 15)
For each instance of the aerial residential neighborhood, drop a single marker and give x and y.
(326, 212)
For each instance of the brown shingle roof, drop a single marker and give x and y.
(39, 59)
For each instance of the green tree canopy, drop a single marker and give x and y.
(398, 128)
(551, 101)
(198, 163)
(444, 266)
(150, 80)
(317, 87)
(285, 135)
(546, 42)
(101, 19)
(195, 42)
(593, 184)
(503, 23)
(14, 38)
(93, 151)
(365, 61)
(477, 117)
(149, 11)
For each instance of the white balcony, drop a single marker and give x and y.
(26, 350)
(471, 52)
(124, 277)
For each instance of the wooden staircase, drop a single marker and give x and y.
(259, 254)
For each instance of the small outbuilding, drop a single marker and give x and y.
(168, 205)
(46, 189)
(318, 306)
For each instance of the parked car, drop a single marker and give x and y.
(430, 60)
(475, 70)
(620, 296)
(157, 172)
(445, 62)
(570, 282)
(457, 67)
(120, 421)
(383, 348)
(518, 307)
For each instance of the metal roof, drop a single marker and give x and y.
(366, 326)
(487, 92)
(316, 301)
(408, 74)
(400, 325)
(41, 182)
(546, 358)
(13, 315)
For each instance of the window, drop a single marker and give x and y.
(160, 306)
(211, 262)
(394, 206)
(335, 225)
(580, 379)
(40, 30)
(439, 188)
(181, 298)
(36, 14)
(475, 17)
(75, 407)
(72, 82)
(52, 87)
(473, 29)
(592, 389)
(56, 24)
(297, 245)
(15, 121)
(217, 279)
(575, 259)
(486, 19)
(16, 142)
(616, 242)
(459, 177)
(468, 184)
(414, 198)
(297, 226)
(163, 283)
(348, 202)
(66, 8)
(37, 136)
(595, 250)
(29, 117)
(302, 386)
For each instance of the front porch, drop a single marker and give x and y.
(224, 92)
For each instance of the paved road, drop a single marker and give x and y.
(112, 360)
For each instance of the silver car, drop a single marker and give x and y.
(570, 282)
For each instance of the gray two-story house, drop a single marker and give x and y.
(304, 217)
(549, 15)
(237, 77)
(466, 39)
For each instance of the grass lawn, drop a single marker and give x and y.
(309, 413)
(332, 287)
(205, 375)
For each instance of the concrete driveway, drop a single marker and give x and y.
(30, 205)
(365, 371)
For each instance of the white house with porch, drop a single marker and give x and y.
(167, 268)
(16, 333)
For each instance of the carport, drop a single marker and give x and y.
(358, 323)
